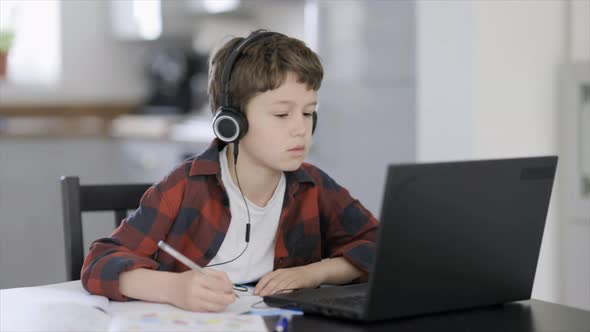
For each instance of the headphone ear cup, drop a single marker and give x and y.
(315, 121)
(229, 125)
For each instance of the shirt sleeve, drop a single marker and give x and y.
(348, 228)
(131, 246)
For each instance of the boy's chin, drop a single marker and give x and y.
(290, 167)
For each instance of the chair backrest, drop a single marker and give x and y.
(78, 198)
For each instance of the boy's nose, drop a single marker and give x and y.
(299, 126)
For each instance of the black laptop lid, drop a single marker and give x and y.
(459, 235)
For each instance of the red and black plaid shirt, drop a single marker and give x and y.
(189, 209)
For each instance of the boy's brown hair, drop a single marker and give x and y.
(262, 66)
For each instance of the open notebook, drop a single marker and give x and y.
(68, 307)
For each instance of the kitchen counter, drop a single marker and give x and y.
(150, 127)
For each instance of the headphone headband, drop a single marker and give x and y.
(231, 59)
(229, 123)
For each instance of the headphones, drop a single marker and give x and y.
(229, 124)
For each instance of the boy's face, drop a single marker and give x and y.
(280, 124)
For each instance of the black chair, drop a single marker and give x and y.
(78, 198)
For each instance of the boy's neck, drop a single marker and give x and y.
(258, 183)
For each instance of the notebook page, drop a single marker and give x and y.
(185, 321)
(59, 307)
(146, 316)
(246, 302)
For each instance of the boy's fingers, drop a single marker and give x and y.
(222, 277)
(278, 284)
(274, 283)
(263, 282)
(260, 284)
(283, 286)
(211, 296)
(217, 284)
(225, 277)
(212, 306)
(264, 290)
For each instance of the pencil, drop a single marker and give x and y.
(181, 258)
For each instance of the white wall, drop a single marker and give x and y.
(487, 73)
(518, 47)
(444, 80)
(367, 99)
(579, 29)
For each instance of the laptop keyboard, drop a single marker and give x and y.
(348, 301)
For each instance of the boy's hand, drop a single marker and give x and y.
(211, 291)
(284, 280)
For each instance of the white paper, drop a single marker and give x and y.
(246, 302)
(59, 307)
(176, 320)
(69, 307)
(146, 316)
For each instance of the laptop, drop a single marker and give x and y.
(452, 235)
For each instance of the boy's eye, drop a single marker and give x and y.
(281, 115)
(309, 114)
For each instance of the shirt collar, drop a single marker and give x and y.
(207, 163)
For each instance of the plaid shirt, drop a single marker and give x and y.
(189, 209)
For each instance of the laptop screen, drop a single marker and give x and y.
(459, 234)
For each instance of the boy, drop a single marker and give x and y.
(248, 206)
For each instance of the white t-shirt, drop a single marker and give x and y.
(258, 259)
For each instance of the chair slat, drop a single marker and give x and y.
(111, 197)
(77, 198)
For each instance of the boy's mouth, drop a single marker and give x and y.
(298, 148)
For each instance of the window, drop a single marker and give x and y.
(35, 55)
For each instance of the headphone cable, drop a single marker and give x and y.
(236, 150)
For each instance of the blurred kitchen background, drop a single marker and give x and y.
(115, 91)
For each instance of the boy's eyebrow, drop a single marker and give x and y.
(290, 102)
